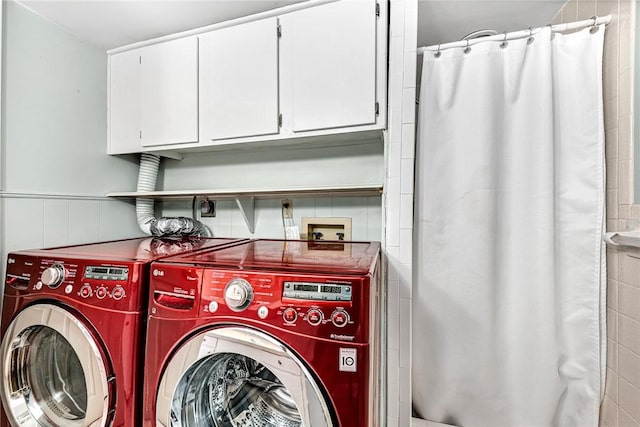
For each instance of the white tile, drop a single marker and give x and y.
(393, 400)
(609, 412)
(408, 140)
(173, 208)
(394, 160)
(409, 105)
(611, 138)
(629, 366)
(612, 324)
(612, 294)
(268, 219)
(393, 212)
(629, 301)
(612, 204)
(118, 220)
(404, 418)
(405, 335)
(23, 224)
(374, 218)
(406, 245)
(611, 386)
(406, 211)
(355, 208)
(393, 320)
(221, 225)
(324, 207)
(410, 68)
(396, 22)
(612, 354)
(392, 254)
(612, 263)
(628, 334)
(392, 422)
(612, 174)
(406, 176)
(405, 277)
(625, 420)
(411, 25)
(396, 60)
(56, 222)
(628, 398)
(629, 269)
(84, 221)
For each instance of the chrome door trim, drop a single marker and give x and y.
(87, 351)
(253, 344)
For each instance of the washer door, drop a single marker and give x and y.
(238, 377)
(53, 371)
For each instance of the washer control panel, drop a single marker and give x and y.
(333, 307)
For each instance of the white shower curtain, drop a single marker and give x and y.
(508, 315)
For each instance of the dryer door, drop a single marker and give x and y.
(234, 376)
(53, 371)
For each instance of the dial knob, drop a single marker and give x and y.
(53, 276)
(238, 294)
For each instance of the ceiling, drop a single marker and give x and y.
(112, 23)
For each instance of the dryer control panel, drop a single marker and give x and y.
(108, 285)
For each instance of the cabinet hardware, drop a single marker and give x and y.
(378, 10)
(279, 30)
(279, 120)
(377, 109)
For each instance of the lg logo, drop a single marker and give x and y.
(157, 273)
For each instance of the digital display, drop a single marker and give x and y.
(306, 287)
(106, 273)
(309, 291)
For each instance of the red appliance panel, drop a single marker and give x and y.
(143, 249)
(292, 255)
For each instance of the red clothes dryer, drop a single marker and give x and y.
(72, 326)
(266, 333)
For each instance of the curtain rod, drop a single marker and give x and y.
(518, 34)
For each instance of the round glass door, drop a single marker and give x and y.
(232, 390)
(238, 377)
(53, 371)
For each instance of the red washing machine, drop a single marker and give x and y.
(266, 333)
(72, 326)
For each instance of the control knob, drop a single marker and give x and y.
(102, 292)
(86, 291)
(238, 294)
(53, 276)
(117, 293)
(315, 316)
(340, 318)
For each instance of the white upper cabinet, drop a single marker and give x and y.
(310, 71)
(239, 81)
(329, 65)
(169, 92)
(124, 102)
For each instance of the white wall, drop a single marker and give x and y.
(54, 168)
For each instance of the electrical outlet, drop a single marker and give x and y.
(334, 229)
(287, 209)
(208, 208)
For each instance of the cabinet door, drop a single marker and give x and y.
(239, 81)
(169, 92)
(329, 58)
(124, 103)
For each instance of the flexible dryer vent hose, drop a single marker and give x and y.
(149, 224)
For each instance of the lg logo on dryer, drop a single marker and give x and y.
(157, 272)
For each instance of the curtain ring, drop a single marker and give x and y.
(468, 48)
(530, 38)
(594, 28)
(504, 43)
(438, 53)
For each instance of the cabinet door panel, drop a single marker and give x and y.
(332, 63)
(169, 94)
(239, 81)
(124, 102)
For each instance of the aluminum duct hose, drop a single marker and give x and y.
(147, 176)
(145, 214)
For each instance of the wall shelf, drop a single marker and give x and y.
(245, 198)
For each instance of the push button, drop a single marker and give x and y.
(290, 315)
(117, 293)
(101, 292)
(85, 291)
(314, 317)
(340, 318)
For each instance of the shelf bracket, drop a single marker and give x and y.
(247, 208)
